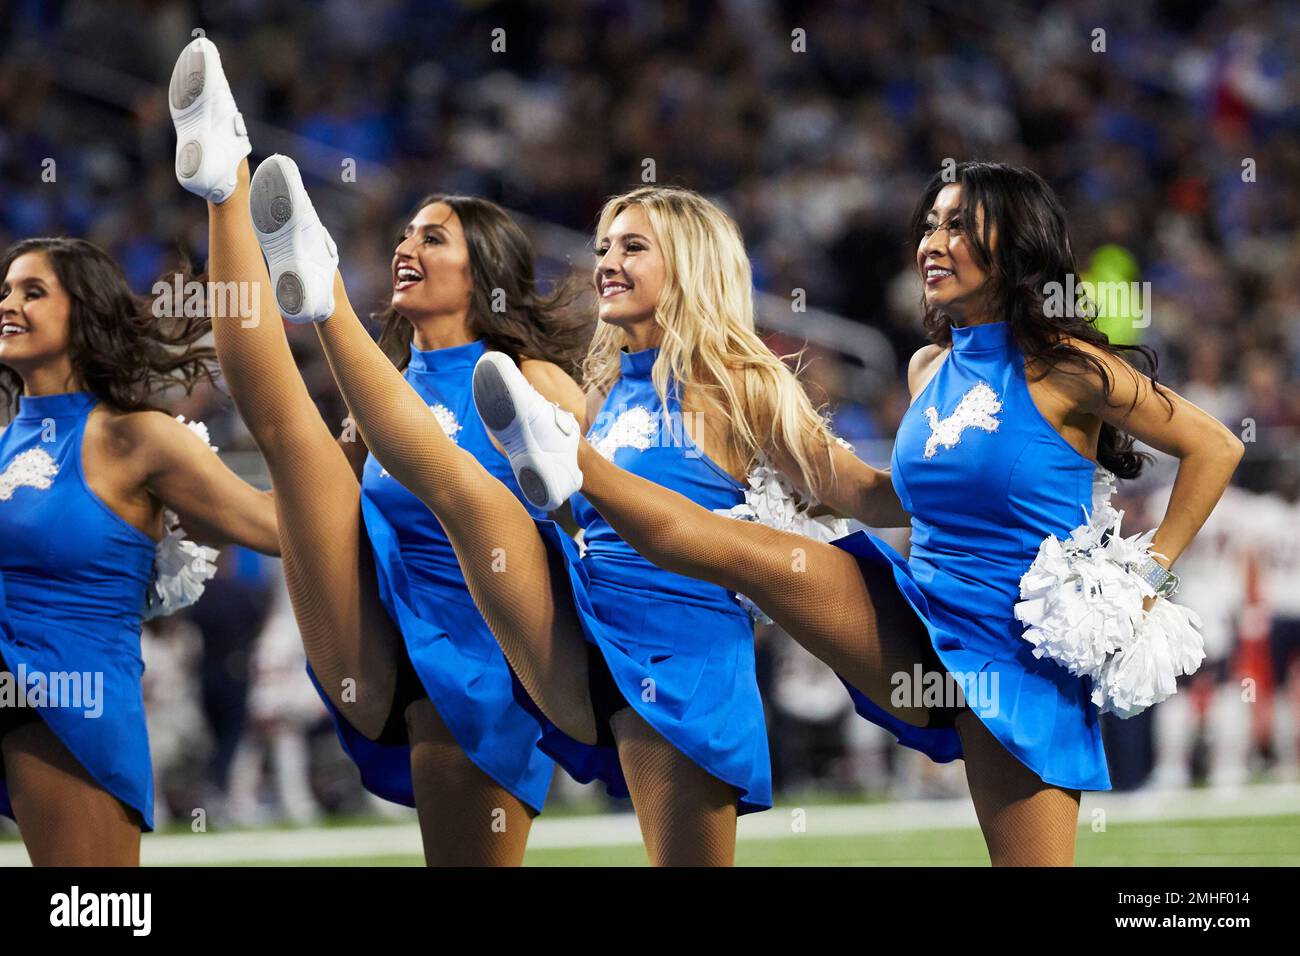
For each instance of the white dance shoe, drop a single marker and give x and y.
(540, 438)
(210, 134)
(300, 254)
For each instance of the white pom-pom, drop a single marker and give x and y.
(1103, 515)
(1166, 645)
(1081, 603)
(1079, 600)
(181, 571)
(770, 499)
(181, 568)
(200, 429)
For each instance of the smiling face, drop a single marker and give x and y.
(431, 268)
(954, 281)
(630, 270)
(35, 311)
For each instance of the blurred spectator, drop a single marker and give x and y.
(229, 616)
(283, 708)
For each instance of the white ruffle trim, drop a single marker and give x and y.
(1082, 607)
(181, 568)
(770, 499)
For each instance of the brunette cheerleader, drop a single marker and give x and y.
(88, 471)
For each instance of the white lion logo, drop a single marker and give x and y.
(34, 468)
(976, 409)
(447, 419)
(635, 428)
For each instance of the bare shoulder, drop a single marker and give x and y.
(125, 433)
(1080, 375)
(147, 436)
(920, 365)
(1091, 349)
(548, 378)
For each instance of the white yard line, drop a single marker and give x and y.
(403, 839)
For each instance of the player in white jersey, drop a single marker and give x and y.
(1278, 531)
(1206, 730)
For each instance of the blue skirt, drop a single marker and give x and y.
(461, 667)
(1035, 708)
(107, 735)
(688, 671)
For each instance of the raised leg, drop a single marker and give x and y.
(349, 638)
(519, 587)
(861, 627)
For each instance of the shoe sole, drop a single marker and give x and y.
(496, 407)
(492, 397)
(533, 487)
(271, 205)
(189, 78)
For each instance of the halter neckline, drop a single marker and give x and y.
(444, 360)
(63, 405)
(638, 364)
(981, 338)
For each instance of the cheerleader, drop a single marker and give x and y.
(419, 692)
(1015, 405)
(639, 678)
(88, 471)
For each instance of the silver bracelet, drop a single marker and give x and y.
(1163, 581)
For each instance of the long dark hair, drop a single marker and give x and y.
(530, 324)
(1033, 251)
(123, 352)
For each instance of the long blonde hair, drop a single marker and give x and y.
(706, 311)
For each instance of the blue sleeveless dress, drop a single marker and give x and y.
(679, 650)
(75, 576)
(454, 654)
(986, 478)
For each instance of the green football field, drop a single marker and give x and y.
(1258, 825)
(1235, 841)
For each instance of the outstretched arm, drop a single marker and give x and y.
(214, 504)
(849, 486)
